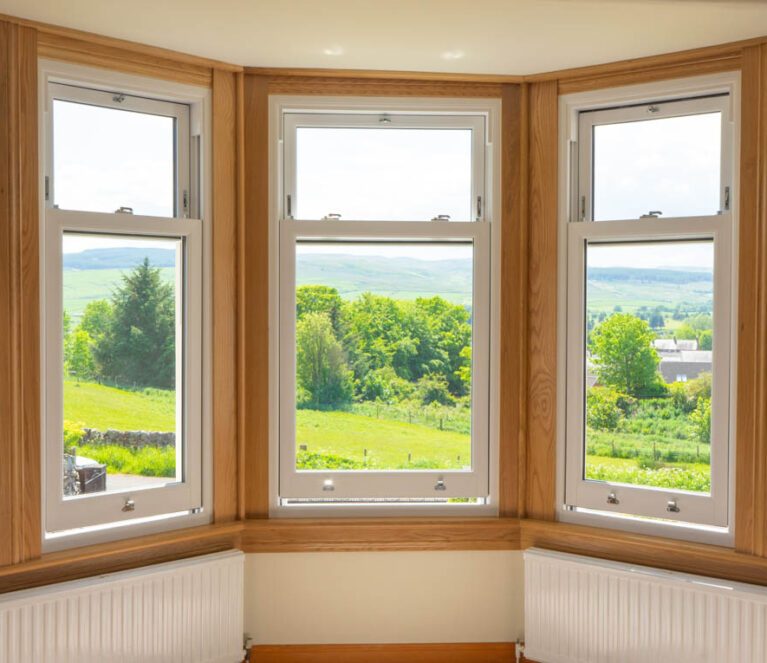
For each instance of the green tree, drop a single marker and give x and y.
(139, 344)
(66, 324)
(433, 389)
(464, 371)
(320, 299)
(685, 332)
(699, 388)
(602, 411)
(77, 357)
(624, 355)
(656, 320)
(97, 316)
(706, 340)
(700, 322)
(320, 363)
(700, 422)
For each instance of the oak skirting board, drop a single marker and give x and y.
(443, 652)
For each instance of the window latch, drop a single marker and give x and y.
(129, 505)
(332, 216)
(672, 506)
(124, 210)
(612, 498)
(441, 217)
(440, 484)
(652, 214)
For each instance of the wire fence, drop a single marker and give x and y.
(457, 419)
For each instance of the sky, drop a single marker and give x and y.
(107, 158)
(669, 164)
(77, 242)
(672, 255)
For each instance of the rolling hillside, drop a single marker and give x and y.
(94, 273)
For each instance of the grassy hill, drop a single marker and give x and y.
(388, 442)
(101, 407)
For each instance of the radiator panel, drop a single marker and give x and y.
(584, 610)
(190, 610)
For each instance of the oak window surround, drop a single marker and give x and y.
(667, 145)
(393, 222)
(123, 168)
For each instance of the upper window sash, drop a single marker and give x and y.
(184, 203)
(475, 123)
(589, 122)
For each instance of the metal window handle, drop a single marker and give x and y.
(652, 214)
(440, 484)
(612, 498)
(332, 216)
(671, 506)
(129, 505)
(441, 217)
(124, 210)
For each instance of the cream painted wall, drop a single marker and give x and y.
(384, 597)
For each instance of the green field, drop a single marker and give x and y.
(101, 407)
(81, 286)
(388, 443)
(681, 476)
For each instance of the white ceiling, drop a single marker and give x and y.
(477, 36)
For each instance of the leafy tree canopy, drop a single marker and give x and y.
(624, 355)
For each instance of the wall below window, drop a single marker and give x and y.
(384, 597)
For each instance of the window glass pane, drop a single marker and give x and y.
(105, 158)
(383, 174)
(670, 165)
(383, 356)
(648, 359)
(122, 349)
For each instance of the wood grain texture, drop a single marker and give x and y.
(384, 74)
(648, 75)
(135, 60)
(751, 462)
(60, 43)
(240, 137)
(254, 298)
(225, 222)
(119, 555)
(691, 57)
(542, 303)
(362, 87)
(446, 652)
(367, 534)
(658, 552)
(513, 313)
(19, 298)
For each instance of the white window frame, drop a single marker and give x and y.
(286, 113)
(701, 518)
(93, 518)
(139, 104)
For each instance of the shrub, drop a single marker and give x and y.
(145, 461)
(700, 422)
(322, 461)
(665, 477)
(73, 433)
(602, 411)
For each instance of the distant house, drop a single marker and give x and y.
(685, 365)
(671, 347)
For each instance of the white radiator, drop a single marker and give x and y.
(190, 610)
(584, 610)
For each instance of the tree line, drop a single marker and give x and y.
(129, 339)
(376, 348)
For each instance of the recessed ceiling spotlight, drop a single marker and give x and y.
(333, 50)
(453, 55)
